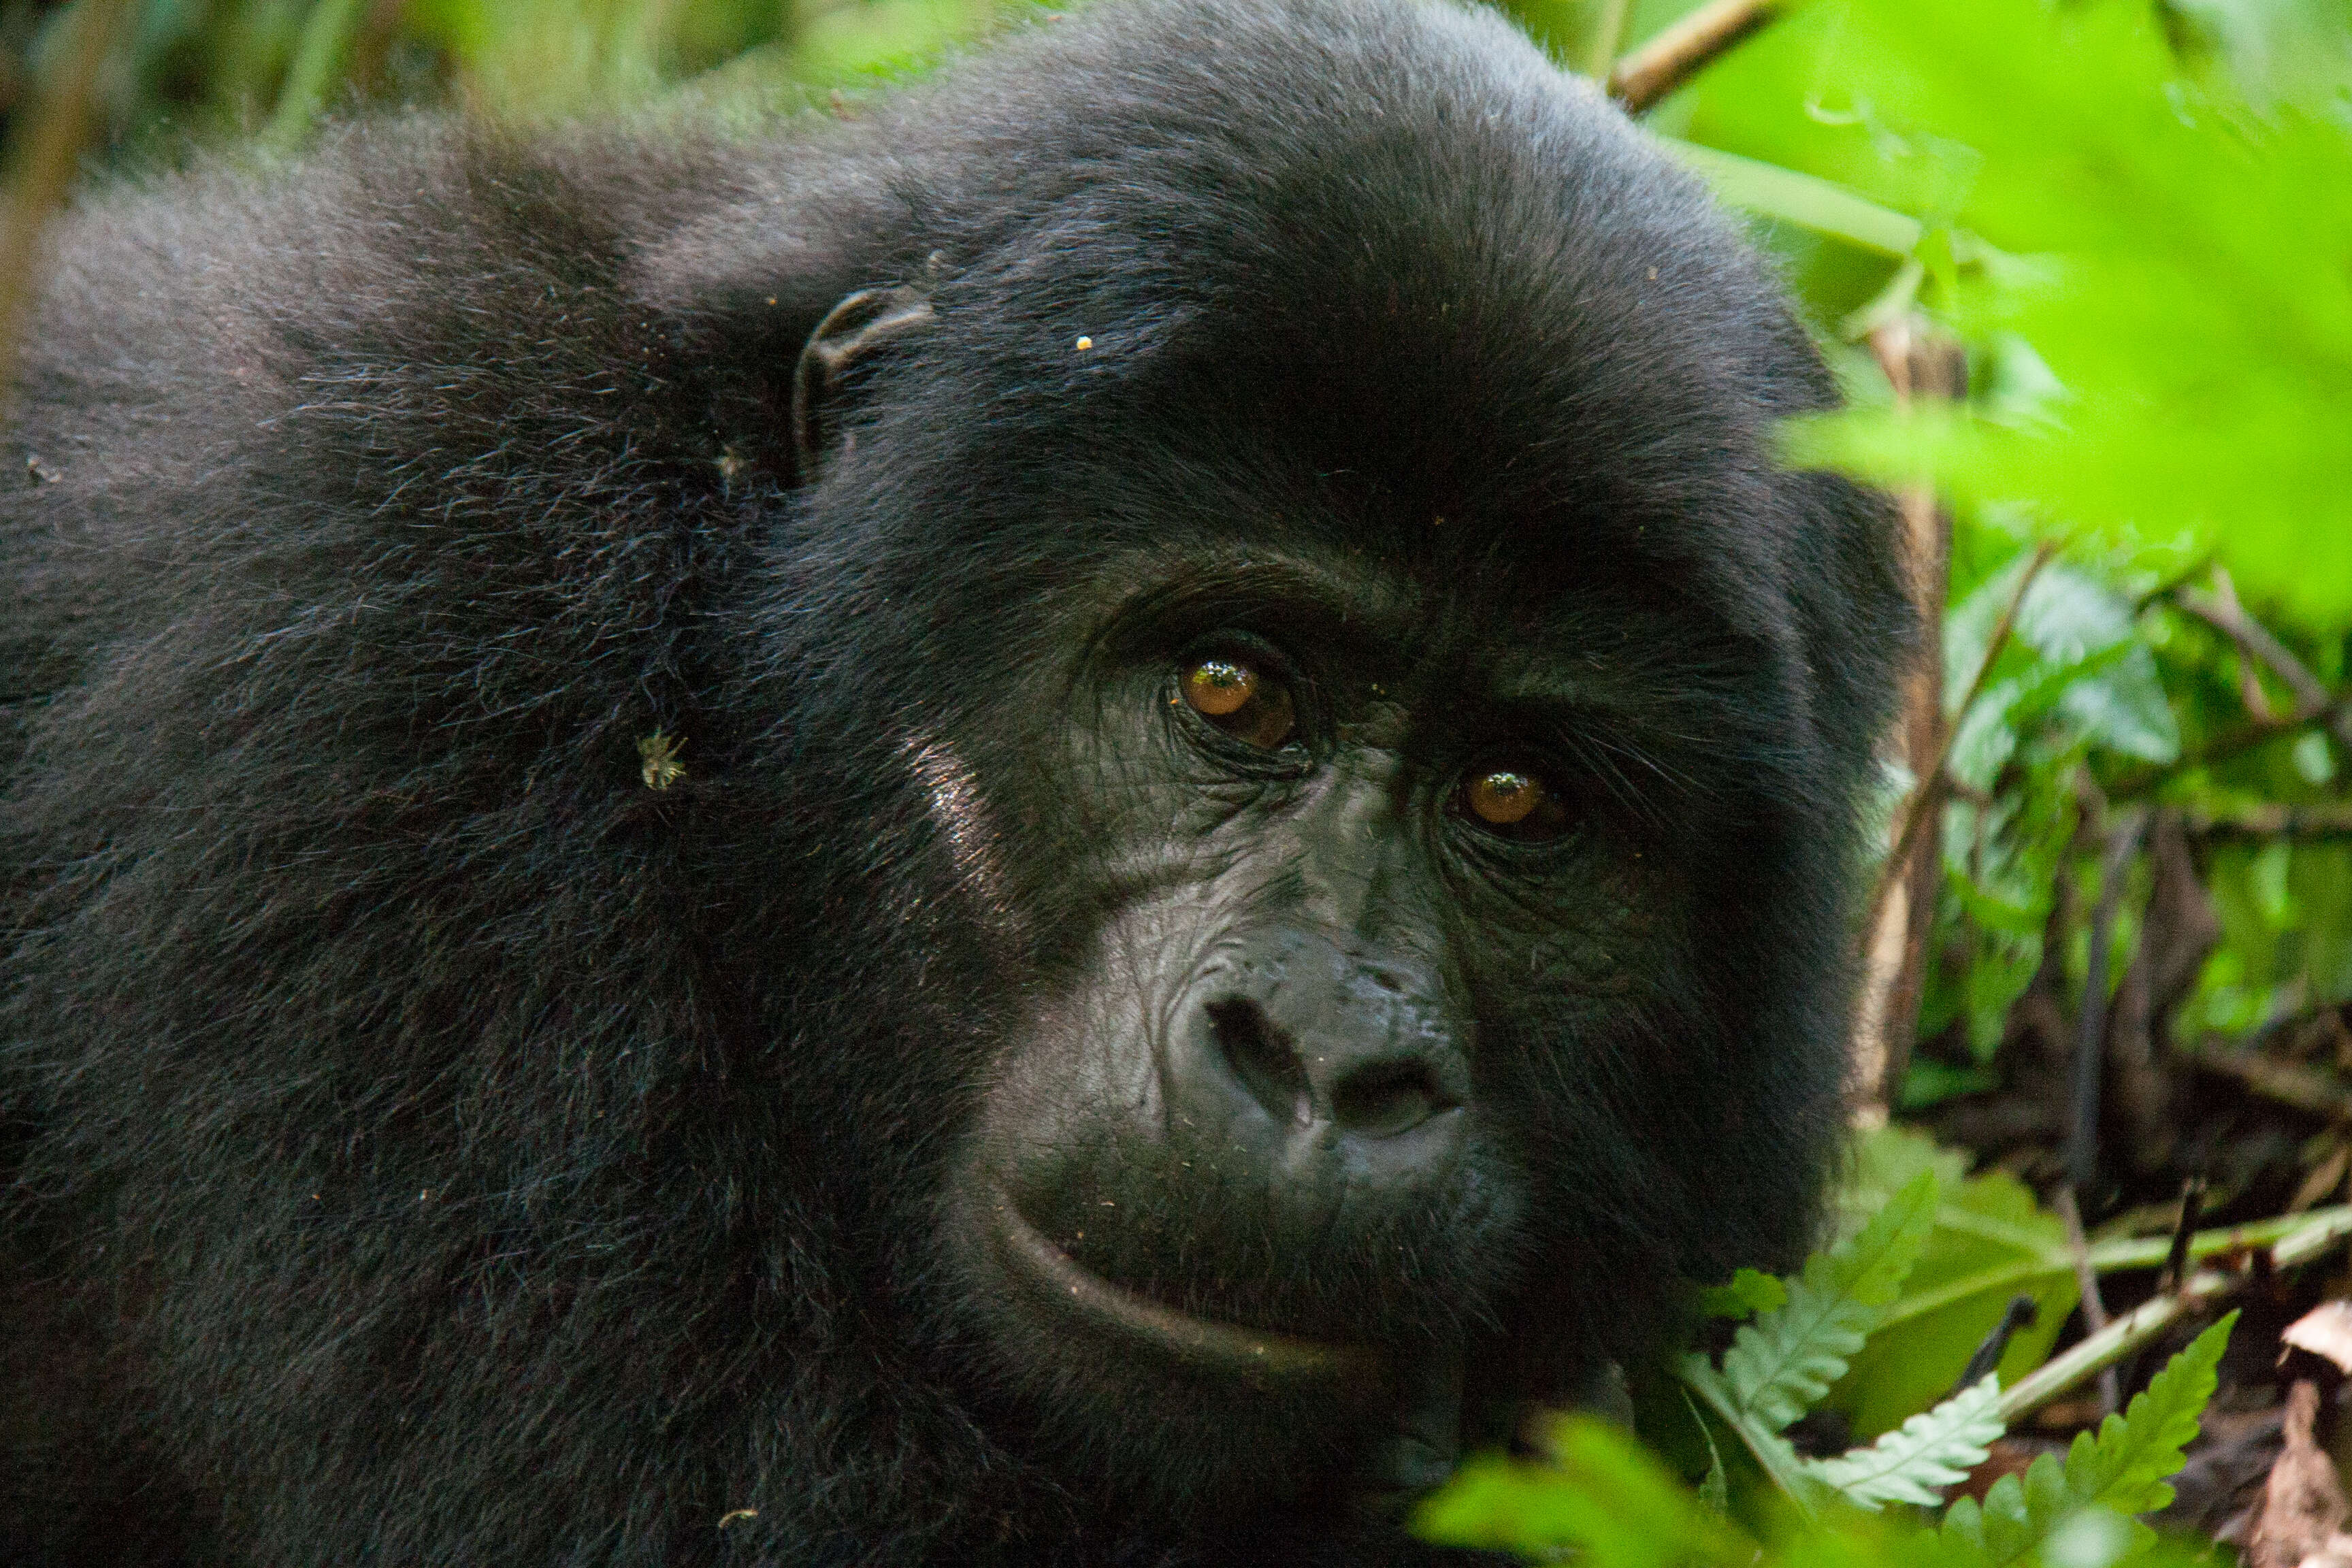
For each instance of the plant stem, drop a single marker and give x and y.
(1924, 792)
(1683, 51)
(1608, 37)
(326, 40)
(2314, 1235)
(2106, 1257)
(44, 156)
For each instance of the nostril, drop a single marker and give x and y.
(1265, 1066)
(1385, 1099)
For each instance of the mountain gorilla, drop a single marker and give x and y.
(1058, 826)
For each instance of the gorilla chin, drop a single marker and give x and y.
(1178, 1410)
(1071, 1303)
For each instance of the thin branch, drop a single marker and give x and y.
(1927, 791)
(2184, 1235)
(43, 160)
(2272, 821)
(2086, 1282)
(2165, 589)
(2230, 743)
(2325, 1231)
(2298, 1085)
(2312, 699)
(2251, 690)
(2118, 845)
(1683, 51)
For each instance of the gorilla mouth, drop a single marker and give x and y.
(1056, 1285)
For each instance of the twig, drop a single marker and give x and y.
(2221, 748)
(2184, 1232)
(2313, 701)
(2250, 691)
(1683, 51)
(2272, 821)
(1923, 792)
(43, 160)
(2166, 587)
(2081, 1151)
(2325, 1230)
(2297, 1085)
(1985, 1358)
(2086, 1281)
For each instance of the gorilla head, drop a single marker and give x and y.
(1056, 826)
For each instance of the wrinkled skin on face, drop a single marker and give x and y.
(1326, 1066)
(1295, 1088)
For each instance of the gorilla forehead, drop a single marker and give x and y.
(1423, 288)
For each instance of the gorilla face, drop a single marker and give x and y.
(1353, 887)
(1359, 807)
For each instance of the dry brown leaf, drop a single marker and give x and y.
(2303, 1507)
(2325, 1330)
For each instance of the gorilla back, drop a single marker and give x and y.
(1060, 826)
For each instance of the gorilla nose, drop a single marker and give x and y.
(1368, 1096)
(1295, 1048)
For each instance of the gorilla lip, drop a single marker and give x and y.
(1056, 1282)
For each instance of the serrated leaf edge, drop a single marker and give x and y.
(1915, 1461)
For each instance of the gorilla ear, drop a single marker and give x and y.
(855, 331)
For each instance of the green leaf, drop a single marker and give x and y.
(1780, 1363)
(1602, 1494)
(2187, 293)
(1750, 1290)
(1786, 1359)
(2077, 663)
(1991, 1244)
(2124, 1469)
(2123, 709)
(1914, 1463)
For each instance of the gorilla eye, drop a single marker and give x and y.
(1513, 802)
(1236, 699)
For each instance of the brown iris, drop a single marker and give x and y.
(1239, 700)
(1515, 803)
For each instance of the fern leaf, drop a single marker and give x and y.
(1784, 1360)
(2123, 1470)
(1914, 1462)
(1774, 1454)
(1750, 1290)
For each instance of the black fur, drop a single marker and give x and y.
(431, 1144)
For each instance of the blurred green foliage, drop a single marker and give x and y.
(2133, 215)
(204, 72)
(2158, 243)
